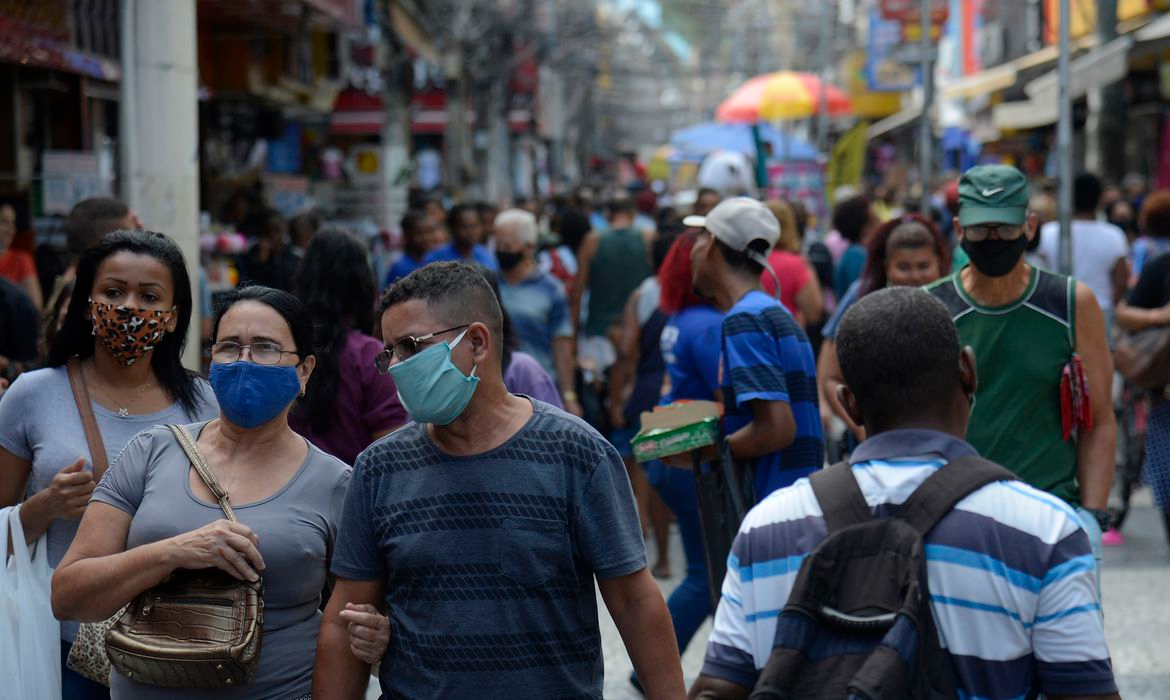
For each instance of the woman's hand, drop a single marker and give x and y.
(68, 494)
(369, 632)
(224, 545)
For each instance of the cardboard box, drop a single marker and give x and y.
(675, 429)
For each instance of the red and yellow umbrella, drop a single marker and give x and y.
(781, 95)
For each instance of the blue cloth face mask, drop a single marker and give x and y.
(431, 387)
(249, 394)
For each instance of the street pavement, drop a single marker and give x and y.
(1135, 579)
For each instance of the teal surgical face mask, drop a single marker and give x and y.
(431, 387)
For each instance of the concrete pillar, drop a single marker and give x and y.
(160, 129)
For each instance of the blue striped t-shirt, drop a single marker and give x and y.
(1010, 574)
(767, 356)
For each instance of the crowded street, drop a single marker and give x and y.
(668, 349)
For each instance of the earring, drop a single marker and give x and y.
(971, 401)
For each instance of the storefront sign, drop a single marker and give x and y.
(69, 177)
(884, 72)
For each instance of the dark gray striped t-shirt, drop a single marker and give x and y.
(489, 560)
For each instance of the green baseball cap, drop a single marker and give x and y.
(993, 194)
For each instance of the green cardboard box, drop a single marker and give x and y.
(675, 429)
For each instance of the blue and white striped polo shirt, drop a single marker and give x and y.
(1011, 577)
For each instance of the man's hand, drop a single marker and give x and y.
(369, 631)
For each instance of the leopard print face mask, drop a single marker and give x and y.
(127, 333)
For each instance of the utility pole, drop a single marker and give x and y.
(823, 92)
(925, 130)
(1064, 144)
(158, 128)
(395, 128)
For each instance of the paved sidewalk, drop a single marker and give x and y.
(1136, 583)
(1135, 578)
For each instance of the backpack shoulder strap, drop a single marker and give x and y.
(936, 496)
(840, 497)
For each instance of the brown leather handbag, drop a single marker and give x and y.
(197, 629)
(1143, 358)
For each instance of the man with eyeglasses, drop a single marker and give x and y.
(1043, 407)
(483, 525)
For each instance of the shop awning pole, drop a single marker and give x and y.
(1064, 144)
(823, 90)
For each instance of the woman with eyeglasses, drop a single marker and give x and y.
(347, 404)
(152, 513)
(124, 332)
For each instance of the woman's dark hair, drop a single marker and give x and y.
(574, 228)
(663, 241)
(294, 313)
(851, 216)
(76, 334)
(49, 329)
(909, 232)
(337, 286)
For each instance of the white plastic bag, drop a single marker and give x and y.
(30, 646)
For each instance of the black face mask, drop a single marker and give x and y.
(509, 261)
(993, 257)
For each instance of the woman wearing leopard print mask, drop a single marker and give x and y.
(124, 330)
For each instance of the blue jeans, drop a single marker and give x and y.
(74, 686)
(690, 603)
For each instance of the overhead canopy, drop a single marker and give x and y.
(694, 143)
(896, 121)
(1025, 114)
(1102, 66)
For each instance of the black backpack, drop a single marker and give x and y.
(858, 624)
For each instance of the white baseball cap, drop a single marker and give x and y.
(739, 221)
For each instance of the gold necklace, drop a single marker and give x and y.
(123, 409)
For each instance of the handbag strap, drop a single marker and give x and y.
(93, 436)
(203, 469)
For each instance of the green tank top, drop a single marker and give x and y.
(1020, 352)
(619, 266)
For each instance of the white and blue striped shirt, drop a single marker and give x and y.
(1011, 577)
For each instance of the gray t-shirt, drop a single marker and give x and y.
(489, 560)
(297, 527)
(39, 422)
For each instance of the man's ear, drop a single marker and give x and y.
(957, 227)
(480, 339)
(968, 371)
(849, 403)
(1031, 225)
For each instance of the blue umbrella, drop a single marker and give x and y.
(693, 143)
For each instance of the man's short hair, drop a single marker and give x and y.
(90, 221)
(455, 292)
(1087, 191)
(851, 216)
(622, 204)
(899, 354)
(524, 223)
(411, 220)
